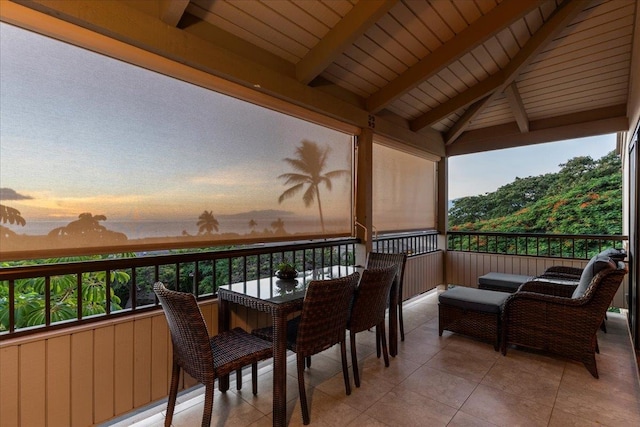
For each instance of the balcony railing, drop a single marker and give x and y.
(539, 245)
(40, 297)
(412, 243)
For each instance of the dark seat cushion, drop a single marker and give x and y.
(508, 282)
(474, 299)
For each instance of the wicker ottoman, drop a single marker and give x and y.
(503, 282)
(473, 312)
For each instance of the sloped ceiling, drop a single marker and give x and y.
(471, 75)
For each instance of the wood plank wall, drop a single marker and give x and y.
(89, 374)
(464, 268)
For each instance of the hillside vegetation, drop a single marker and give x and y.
(584, 197)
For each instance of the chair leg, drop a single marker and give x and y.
(400, 319)
(208, 405)
(239, 379)
(254, 378)
(380, 330)
(590, 363)
(301, 391)
(354, 359)
(345, 368)
(308, 361)
(378, 343)
(173, 394)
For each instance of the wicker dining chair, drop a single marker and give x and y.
(205, 358)
(368, 311)
(321, 324)
(381, 260)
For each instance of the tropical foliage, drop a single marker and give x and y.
(584, 197)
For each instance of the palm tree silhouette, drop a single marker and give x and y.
(310, 163)
(11, 215)
(278, 226)
(252, 225)
(207, 223)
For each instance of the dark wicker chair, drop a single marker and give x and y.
(368, 311)
(321, 325)
(205, 358)
(573, 274)
(381, 260)
(563, 325)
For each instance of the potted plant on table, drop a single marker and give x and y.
(286, 270)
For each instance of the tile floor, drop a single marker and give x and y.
(451, 380)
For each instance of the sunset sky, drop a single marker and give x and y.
(81, 132)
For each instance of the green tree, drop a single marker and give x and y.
(309, 165)
(207, 223)
(584, 197)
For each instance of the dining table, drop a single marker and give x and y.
(279, 298)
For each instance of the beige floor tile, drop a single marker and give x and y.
(325, 410)
(505, 409)
(371, 389)
(592, 400)
(466, 365)
(561, 418)
(440, 386)
(512, 379)
(465, 420)
(402, 407)
(364, 420)
(534, 363)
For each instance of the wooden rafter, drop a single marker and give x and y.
(173, 10)
(599, 121)
(353, 25)
(475, 34)
(494, 85)
(517, 107)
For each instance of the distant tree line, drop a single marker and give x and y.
(584, 197)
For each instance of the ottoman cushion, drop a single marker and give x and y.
(502, 281)
(474, 299)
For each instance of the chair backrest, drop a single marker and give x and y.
(604, 285)
(370, 298)
(191, 342)
(381, 260)
(593, 267)
(325, 312)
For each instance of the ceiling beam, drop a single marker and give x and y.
(560, 18)
(172, 11)
(354, 24)
(599, 121)
(517, 107)
(475, 34)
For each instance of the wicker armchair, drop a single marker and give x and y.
(563, 325)
(573, 273)
(205, 358)
(321, 325)
(368, 310)
(381, 260)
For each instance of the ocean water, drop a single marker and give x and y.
(149, 228)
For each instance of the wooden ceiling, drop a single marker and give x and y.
(460, 75)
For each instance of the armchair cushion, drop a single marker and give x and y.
(615, 254)
(595, 265)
